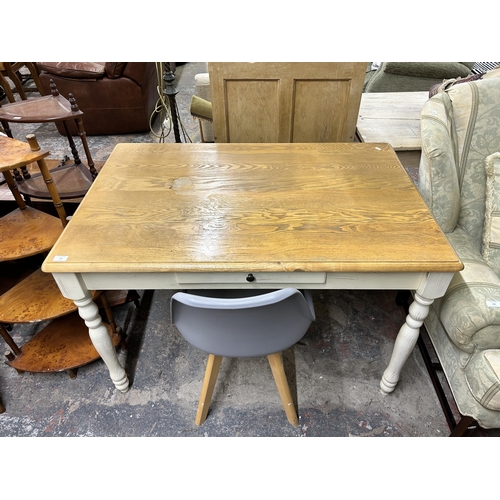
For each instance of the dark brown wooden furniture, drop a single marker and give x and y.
(11, 71)
(64, 343)
(72, 179)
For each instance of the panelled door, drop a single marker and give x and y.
(285, 102)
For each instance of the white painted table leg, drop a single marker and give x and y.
(405, 342)
(434, 286)
(73, 287)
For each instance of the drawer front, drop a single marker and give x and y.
(250, 278)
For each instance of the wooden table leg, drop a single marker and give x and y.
(405, 342)
(72, 287)
(433, 287)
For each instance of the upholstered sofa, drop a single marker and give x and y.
(459, 177)
(412, 76)
(116, 98)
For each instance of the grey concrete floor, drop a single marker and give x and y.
(334, 371)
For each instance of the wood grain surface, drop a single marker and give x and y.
(27, 232)
(330, 207)
(392, 117)
(17, 153)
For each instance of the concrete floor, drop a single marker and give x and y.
(334, 371)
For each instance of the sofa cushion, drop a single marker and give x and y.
(436, 70)
(482, 374)
(114, 69)
(90, 70)
(491, 230)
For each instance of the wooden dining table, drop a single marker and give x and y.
(311, 215)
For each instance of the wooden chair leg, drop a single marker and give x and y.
(283, 388)
(34, 74)
(211, 372)
(6, 88)
(11, 73)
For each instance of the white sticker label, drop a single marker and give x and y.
(493, 303)
(60, 258)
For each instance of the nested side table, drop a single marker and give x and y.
(64, 344)
(72, 179)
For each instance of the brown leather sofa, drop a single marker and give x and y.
(116, 98)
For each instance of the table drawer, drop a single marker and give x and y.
(298, 278)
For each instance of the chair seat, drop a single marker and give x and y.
(27, 232)
(36, 298)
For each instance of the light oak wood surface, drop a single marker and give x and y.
(329, 215)
(392, 117)
(285, 102)
(330, 207)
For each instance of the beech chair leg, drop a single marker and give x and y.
(283, 388)
(211, 372)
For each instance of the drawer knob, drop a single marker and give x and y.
(250, 278)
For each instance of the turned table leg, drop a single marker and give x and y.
(72, 287)
(434, 286)
(405, 342)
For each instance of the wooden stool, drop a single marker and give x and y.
(72, 179)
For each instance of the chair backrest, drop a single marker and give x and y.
(285, 102)
(236, 324)
(460, 128)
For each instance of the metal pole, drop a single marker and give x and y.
(170, 91)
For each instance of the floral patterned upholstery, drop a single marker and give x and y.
(460, 130)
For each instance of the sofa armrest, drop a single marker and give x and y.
(437, 70)
(138, 72)
(470, 309)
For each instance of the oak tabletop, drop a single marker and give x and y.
(329, 207)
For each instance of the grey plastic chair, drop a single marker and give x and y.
(240, 324)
